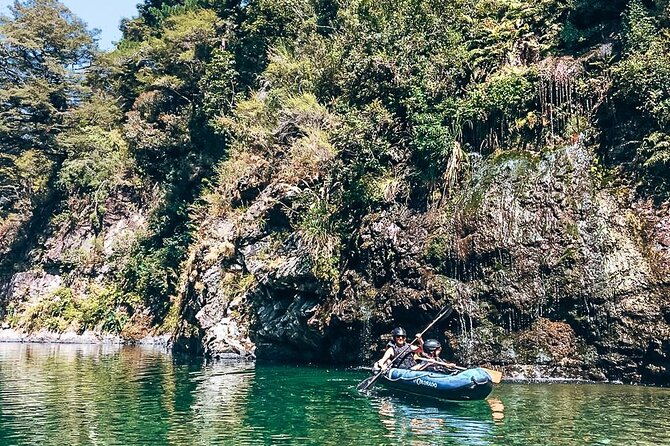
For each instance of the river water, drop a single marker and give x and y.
(106, 395)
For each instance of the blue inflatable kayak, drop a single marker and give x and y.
(470, 384)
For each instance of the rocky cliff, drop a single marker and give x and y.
(65, 279)
(550, 273)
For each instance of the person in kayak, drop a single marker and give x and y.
(398, 352)
(429, 356)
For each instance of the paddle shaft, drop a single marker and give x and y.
(365, 385)
(444, 313)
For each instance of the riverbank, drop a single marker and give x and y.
(10, 335)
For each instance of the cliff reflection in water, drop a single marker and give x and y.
(219, 403)
(104, 394)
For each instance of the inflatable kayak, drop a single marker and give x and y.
(470, 384)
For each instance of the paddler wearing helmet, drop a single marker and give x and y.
(398, 353)
(429, 357)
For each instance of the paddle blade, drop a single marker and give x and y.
(367, 382)
(495, 375)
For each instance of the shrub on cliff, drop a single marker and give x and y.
(641, 91)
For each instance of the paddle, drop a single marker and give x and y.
(368, 382)
(496, 376)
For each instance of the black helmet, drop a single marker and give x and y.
(399, 331)
(431, 345)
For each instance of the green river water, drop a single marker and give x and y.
(106, 395)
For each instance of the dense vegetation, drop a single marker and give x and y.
(357, 104)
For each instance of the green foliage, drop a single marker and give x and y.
(150, 270)
(219, 86)
(639, 30)
(167, 102)
(28, 175)
(433, 142)
(264, 22)
(641, 86)
(392, 51)
(654, 155)
(107, 309)
(503, 94)
(354, 107)
(98, 161)
(55, 313)
(104, 309)
(174, 79)
(642, 81)
(156, 15)
(146, 274)
(319, 238)
(99, 158)
(438, 249)
(43, 48)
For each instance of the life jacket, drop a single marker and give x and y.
(403, 357)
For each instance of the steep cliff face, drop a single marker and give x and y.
(69, 282)
(559, 271)
(549, 273)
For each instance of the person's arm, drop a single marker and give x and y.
(418, 354)
(417, 349)
(386, 359)
(420, 365)
(418, 336)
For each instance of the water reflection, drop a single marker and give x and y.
(418, 421)
(579, 414)
(497, 409)
(219, 403)
(85, 394)
(300, 405)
